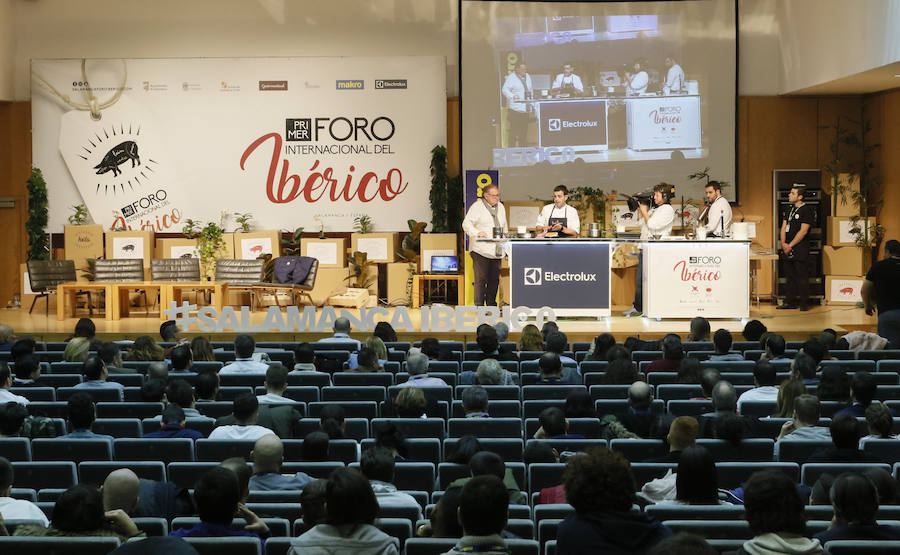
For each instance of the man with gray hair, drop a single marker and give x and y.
(475, 402)
(341, 334)
(417, 366)
(489, 372)
(158, 370)
(724, 401)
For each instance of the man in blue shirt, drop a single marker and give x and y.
(244, 345)
(862, 391)
(267, 456)
(81, 418)
(722, 340)
(553, 373)
(95, 374)
(173, 425)
(341, 334)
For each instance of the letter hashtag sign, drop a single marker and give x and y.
(181, 314)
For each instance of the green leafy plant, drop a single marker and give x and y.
(409, 248)
(359, 270)
(210, 242)
(363, 224)
(445, 195)
(291, 245)
(90, 269)
(590, 201)
(79, 215)
(36, 225)
(243, 220)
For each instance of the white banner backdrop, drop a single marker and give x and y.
(306, 142)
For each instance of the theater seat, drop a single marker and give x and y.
(58, 545)
(233, 545)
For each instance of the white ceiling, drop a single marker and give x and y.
(871, 81)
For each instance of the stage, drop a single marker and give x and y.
(792, 324)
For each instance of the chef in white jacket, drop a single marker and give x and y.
(654, 223)
(485, 214)
(636, 82)
(674, 77)
(719, 211)
(516, 89)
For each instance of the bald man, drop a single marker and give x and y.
(638, 417)
(122, 489)
(267, 456)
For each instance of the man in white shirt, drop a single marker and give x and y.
(276, 385)
(244, 345)
(567, 83)
(719, 211)
(16, 509)
(246, 414)
(341, 334)
(485, 214)
(5, 383)
(674, 77)
(377, 465)
(516, 89)
(559, 217)
(655, 223)
(636, 83)
(804, 424)
(765, 380)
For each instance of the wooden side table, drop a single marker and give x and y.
(118, 298)
(66, 292)
(421, 283)
(171, 291)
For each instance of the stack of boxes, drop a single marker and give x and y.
(842, 259)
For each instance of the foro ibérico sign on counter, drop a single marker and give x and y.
(683, 279)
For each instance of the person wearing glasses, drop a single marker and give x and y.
(483, 216)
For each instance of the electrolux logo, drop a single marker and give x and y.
(554, 124)
(390, 83)
(350, 84)
(558, 124)
(533, 276)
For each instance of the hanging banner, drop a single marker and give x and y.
(311, 142)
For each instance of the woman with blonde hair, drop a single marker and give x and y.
(77, 350)
(788, 392)
(145, 348)
(531, 339)
(377, 345)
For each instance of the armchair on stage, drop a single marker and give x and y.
(45, 275)
(240, 274)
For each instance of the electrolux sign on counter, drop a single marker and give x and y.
(571, 277)
(573, 123)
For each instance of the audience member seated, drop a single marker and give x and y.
(315, 447)
(182, 359)
(138, 497)
(579, 404)
(81, 418)
(682, 435)
(695, 482)
(95, 375)
(803, 367)
(753, 330)
(77, 350)
(243, 471)
(709, 377)
(218, 499)
(488, 372)
(243, 364)
(173, 424)
(855, 501)
(341, 334)
(276, 384)
(620, 372)
(880, 422)
(201, 349)
(600, 486)
(690, 371)
(683, 543)
(724, 400)
(804, 423)
(788, 392)
(466, 447)
(267, 456)
(531, 339)
(246, 415)
(379, 354)
(28, 370)
(554, 373)
(312, 503)
(775, 347)
(475, 402)
(366, 360)
(16, 509)
(489, 463)
(331, 421)
(7, 338)
(304, 359)
(489, 344)
(410, 402)
(431, 348)
(834, 385)
(206, 385)
(444, 521)
(12, 417)
(862, 391)
(6, 396)
(483, 513)
(158, 370)
(555, 342)
(112, 358)
(350, 511)
(775, 512)
(765, 382)
(599, 347)
(722, 342)
(417, 366)
(388, 436)
(179, 392)
(638, 417)
(699, 329)
(145, 348)
(279, 417)
(886, 484)
(169, 332)
(385, 331)
(502, 330)
(815, 349)
(554, 425)
(377, 465)
(845, 440)
(22, 346)
(153, 391)
(672, 353)
(547, 329)
(79, 512)
(618, 352)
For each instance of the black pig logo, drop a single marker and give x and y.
(128, 248)
(187, 255)
(117, 156)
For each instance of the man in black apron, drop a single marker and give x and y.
(558, 219)
(795, 250)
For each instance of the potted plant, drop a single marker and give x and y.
(36, 225)
(243, 221)
(360, 270)
(445, 195)
(409, 254)
(210, 243)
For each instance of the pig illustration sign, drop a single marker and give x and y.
(843, 290)
(253, 248)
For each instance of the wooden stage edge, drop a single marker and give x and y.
(792, 324)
